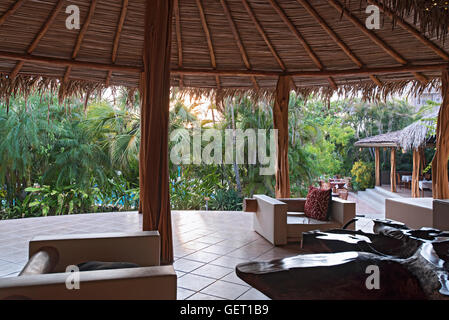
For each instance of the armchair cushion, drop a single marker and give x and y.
(317, 203)
(100, 265)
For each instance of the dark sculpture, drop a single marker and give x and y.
(412, 264)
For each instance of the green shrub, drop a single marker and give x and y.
(226, 200)
(362, 173)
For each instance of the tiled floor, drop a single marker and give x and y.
(207, 246)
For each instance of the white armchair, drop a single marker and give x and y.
(149, 281)
(283, 220)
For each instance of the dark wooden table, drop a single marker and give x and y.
(412, 264)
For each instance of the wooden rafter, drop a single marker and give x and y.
(314, 74)
(178, 38)
(266, 39)
(245, 73)
(118, 33)
(210, 45)
(374, 37)
(336, 38)
(263, 34)
(412, 30)
(80, 38)
(237, 38)
(11, 11)
(301, 39)
(69, 62)
(39, 36)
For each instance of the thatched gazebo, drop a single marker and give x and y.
(414, 137)
(224, 47)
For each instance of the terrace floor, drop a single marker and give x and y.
(407, 193)
(207, 246)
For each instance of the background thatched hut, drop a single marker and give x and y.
(415, 137)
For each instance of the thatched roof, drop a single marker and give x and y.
(225, 46)
(411, 137)
(391, 139)
(416, 135)
(431, 15)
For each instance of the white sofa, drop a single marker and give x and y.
(282, 220)
(149, 281)
(416, 213)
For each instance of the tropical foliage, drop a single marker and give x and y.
(71, 158)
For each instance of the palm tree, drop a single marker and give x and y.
(25, 139)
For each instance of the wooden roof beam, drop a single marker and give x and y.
(178, 38)
(117, 38)
(336, 38)
(237, 38)
(209, 39)
(51, 18)
(11, 10)
(80, 38)
(314, 74)
(374, 37)
(408, 27)
(248, 73)
(301, 39)
(69, 62)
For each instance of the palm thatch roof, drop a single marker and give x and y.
(222, 47)
(390, 139)
(416, 135)
(431, 15)
(413, 136)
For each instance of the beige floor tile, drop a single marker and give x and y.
(212, 271)
(182, 293)
(225, 290)
(232, 277)
(180, 251)
(194, 282)
(195, 245)
(229, 262)
(185, 265)
(202, 256)
(202, 296)
(218, 249)
(253, 294)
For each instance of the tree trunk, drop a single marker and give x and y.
(393, 170)
(280, 121)
(439, 164)
(154, 123)
(415, 174)
(377, 165)
(234, 143)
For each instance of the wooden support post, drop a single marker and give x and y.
(377, 165)
(141, 167)
(154, 123)
(393, 169)
(415, 173)
(280, 120)
(440, 184)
